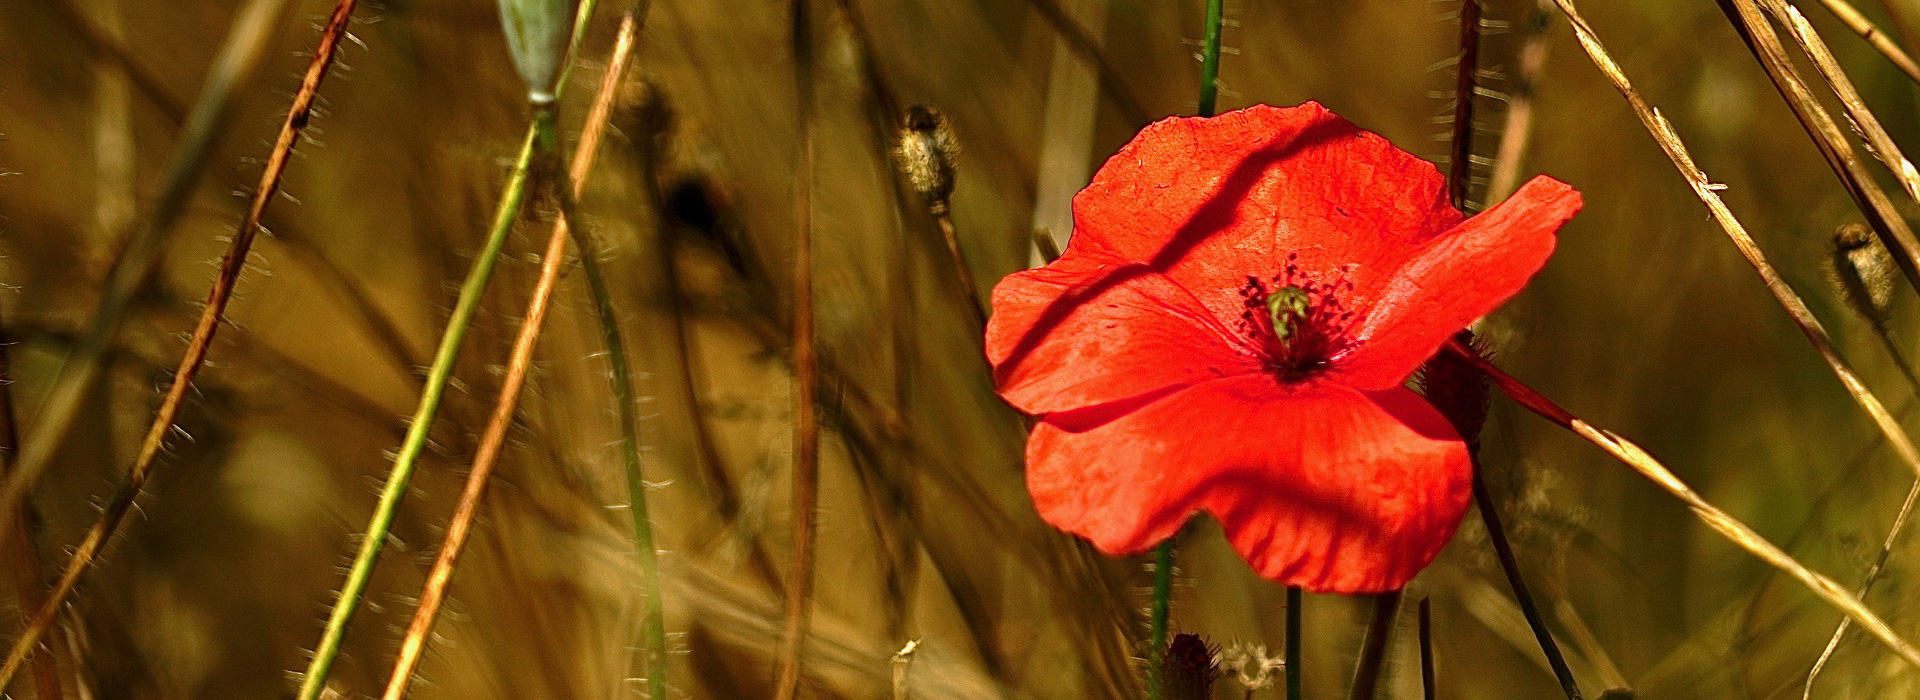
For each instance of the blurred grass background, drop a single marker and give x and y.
(1646, 321)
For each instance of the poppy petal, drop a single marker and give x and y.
(1212, 201)
(1319, 486)
(1459, 277)
(1095, 329)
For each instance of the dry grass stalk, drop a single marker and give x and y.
(552, 262)
(1718, 520)
(1834, 146)
(1709, 194)
(1866, 585)
(198, 346)
(1879, 143)
(1879, 39)
(806, 426)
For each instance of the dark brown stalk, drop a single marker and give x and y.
(1427, 688)
(1373, 647)
(1460, 164)
(1878, 39)
(1517, 133)
(1718, 520)
(197, 347)
(493, 438)
(944, 217)
(806, 428)
(1510, 565)
(1839, 153)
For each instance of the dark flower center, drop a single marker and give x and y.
(1296, 320)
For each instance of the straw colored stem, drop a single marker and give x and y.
(1874, 36)
(1866, 584)
(493, 438)
(197, 347)
(1709, 194)
(1879, 143)
(806, 427)
(1718, 520)
(1827, 136)
(439, 374)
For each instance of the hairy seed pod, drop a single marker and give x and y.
(1190, 668)
(1863, 270)
(538, 32)
(927, 151)
(1457, 389)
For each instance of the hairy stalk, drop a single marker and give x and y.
(1510, 565)
(1878, 39)
(1373, 647)
(1157, 635)
(943, 216)
(1718, 520)
(1294, 642)
(1748, 22)
(198, 346)
(806, 427)
(1210, 58)
(1460, 160)
(439, 374)
(1709, 194)
(1517, 133)
(239, 59)
(1427, 686)
(552, 264)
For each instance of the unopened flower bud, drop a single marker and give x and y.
(1457, 389)
(927, 152)
(538, 32)
(1863, 270)
(1190, 669)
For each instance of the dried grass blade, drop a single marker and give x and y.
(1874, 36)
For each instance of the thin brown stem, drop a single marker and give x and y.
(944, 217)
(1718, 520)
(1874, 36)
(1745, 15)
(806, 427)
(1510, 566)
(1460, 165)
(553, 262)
(198, 346)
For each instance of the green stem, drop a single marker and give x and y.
(1293, 643)
(1210, 59)
(653, 624)
(1162, 597)
(438, 375)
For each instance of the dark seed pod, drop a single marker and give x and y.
(1863, 270)
(1190, 668)
(1457, 389)
(927, 152)
(537, 33)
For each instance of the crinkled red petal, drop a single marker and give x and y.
(1319, 486)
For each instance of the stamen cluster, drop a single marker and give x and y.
(1296, 343)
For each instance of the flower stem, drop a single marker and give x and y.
(1427, 688)
(1510, 565)
(1373, 647)
(1292, 653)
(1157, 640)
(1210, 59)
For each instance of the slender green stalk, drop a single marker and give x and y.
(654, 622)
(1210, 59)
(1157, 640)
(1292, 653)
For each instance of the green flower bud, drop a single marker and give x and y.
(538, 32)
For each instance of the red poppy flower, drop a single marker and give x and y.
(1231, 329)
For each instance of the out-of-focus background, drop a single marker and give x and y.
(1646, 321)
